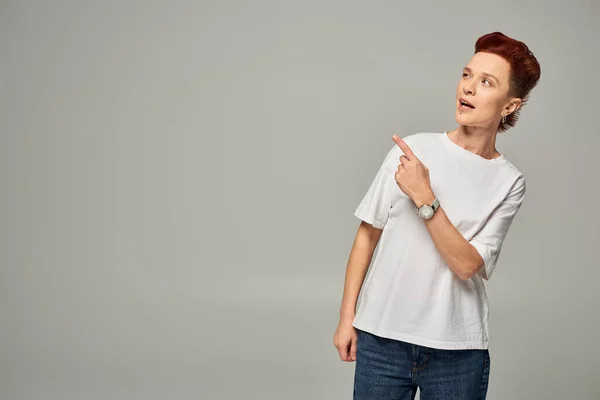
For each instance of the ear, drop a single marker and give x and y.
(513, 105)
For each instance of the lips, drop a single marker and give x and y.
(465, 104)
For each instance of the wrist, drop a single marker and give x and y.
(347, 317)
(426, 198)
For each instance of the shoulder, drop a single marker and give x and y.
(518, 177)
(518, 186)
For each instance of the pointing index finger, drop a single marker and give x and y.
(402, 144)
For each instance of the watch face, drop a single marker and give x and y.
(426, 212)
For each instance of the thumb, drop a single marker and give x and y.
(353, 350)
(343, 350)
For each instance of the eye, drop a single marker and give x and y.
(488, 82)
(465, 75)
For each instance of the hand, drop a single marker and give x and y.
(345, 339)
(412, 175)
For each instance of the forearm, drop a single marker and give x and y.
(458, 253)
(361, 254)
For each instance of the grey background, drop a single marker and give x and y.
(178, 182)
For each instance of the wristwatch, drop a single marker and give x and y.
(426, 211)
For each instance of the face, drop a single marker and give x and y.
(484, 84)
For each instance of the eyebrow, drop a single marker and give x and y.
(483, 73)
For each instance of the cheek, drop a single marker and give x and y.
(490, 105)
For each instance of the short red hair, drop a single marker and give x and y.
(524, 68)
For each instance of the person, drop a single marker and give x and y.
(439, 208)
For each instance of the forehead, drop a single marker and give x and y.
(489, 63)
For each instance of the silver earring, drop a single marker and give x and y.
(504, 119)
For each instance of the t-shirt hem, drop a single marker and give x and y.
(421, 341)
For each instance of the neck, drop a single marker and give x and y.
(476, 140)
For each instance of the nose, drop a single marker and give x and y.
(469, 88)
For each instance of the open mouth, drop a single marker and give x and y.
(466, 104)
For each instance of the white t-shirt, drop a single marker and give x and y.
(410, 293)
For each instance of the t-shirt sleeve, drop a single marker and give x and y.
(376, 203)
(488, 241)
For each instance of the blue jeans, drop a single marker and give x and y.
(388, 369)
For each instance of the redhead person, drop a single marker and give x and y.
(439, 207)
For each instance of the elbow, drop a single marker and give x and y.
(465, 276)
(471, 266)
(469, 269)
(468, 264)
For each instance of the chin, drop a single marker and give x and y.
(465, 120)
